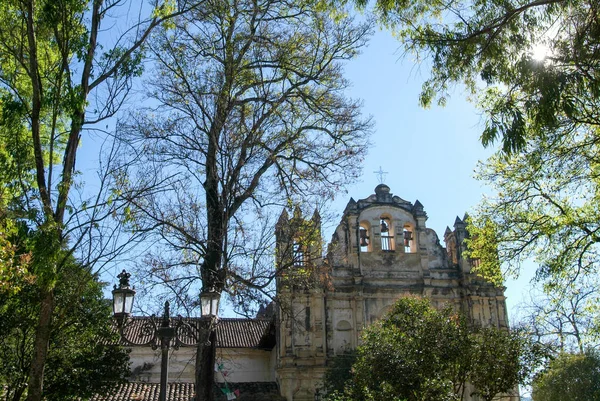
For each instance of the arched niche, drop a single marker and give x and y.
(343, 325)
(408, 238)
(387, 232)
(343, 336)
(364, 237)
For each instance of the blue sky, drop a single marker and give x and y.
(429, 154)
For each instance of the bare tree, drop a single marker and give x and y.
(563, 314)
(248, 114)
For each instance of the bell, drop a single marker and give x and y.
(384, 226)
(363, 238)
(407, 237)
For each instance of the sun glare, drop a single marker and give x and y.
(540, 51)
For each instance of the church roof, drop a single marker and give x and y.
(136, 391)
(231, 332)
(147, 392)
(245, 333)
(383, 196)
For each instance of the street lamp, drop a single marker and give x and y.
(122, 297)
(161, 331)
(209, 302)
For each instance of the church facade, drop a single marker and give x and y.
(380, 251)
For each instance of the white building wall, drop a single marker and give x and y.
(233, 365)
(241, 365)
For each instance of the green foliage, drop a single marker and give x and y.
(574, 377)
(482, 246)
(16, 163)
(497, 43)
(500, 360)
(546, 206)
(14, 261)
(413, 353)
(81, 360)
(52, 61)
(421, 353)
(339, 372)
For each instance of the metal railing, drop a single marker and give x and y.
(387, 243)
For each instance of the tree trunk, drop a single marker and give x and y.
(40, 348)
(16, 396)
(205, 366)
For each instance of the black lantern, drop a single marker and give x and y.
(123, 297)
(209, 302)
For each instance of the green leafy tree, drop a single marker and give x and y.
(60, 76)
(82, 359)
(418, 352)
(16, 164)
(500, 360)
(482, 247)
(569, 377)
(532, 64)
(546, 207)
(339, 372)
(414, 353)
(13, 266)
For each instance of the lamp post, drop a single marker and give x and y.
(206, 353)
(161, 332)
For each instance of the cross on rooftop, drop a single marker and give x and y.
(380, 175)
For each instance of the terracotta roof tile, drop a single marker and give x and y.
(231, 332)
(241, 333)
(147, 392)
(252, 391)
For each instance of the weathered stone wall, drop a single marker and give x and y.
(372, 263)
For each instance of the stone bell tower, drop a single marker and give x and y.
(301, 331)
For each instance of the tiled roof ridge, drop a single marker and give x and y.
(231, 332)
(178, 391)
(200, 318)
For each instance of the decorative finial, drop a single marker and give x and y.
(167, 312)
(381, 175)
(123, 279)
